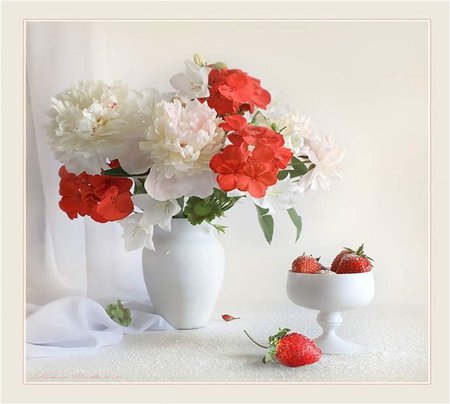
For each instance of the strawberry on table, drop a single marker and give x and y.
(290, 349)
(306, 264)
(354, 262)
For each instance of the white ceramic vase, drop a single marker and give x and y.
(184, 275)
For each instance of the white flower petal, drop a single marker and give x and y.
(156, 212)
(136, 234)
(281, 196)
(326, 157)
(162, 188)
(193, 83)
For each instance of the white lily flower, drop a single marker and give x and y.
(283, 195)
(156, 213)
(193, 83)
(136, 233)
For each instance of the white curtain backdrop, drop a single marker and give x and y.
(68, 257)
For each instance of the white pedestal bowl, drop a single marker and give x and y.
(331, 294)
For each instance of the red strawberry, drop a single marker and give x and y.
(290, 349)
(338, 258)
(354, 262)
(306, 264)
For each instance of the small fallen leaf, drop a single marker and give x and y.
(119, 313)
(228, 317)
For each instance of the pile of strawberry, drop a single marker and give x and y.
(348, 261)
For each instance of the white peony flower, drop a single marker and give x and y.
(132, 159)
(294, 126)
(283, 195)
(327, 157)
(156, 213)
(193, 83)
(181, 141)
(136, 233)
(90, 124)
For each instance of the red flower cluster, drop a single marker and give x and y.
(251, 163)
(102, 197)
(233, 91)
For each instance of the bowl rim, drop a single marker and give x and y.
(290, 271)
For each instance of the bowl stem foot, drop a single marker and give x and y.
(329, 342)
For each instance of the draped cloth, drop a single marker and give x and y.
(66, 258)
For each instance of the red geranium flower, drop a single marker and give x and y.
(114, 205)
(103, 198)
(256, 178)
(247, 171)
(251, 163)
(233, 91)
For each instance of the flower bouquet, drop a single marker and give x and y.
(142, 158)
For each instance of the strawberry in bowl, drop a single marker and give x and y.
(350, 261)
(306, 264)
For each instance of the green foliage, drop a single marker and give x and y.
(298, 168)
(297, 220)
(139, 186)
(207, 209)
(119, 313)
(120, 172)
(282, 174)
(265, 222)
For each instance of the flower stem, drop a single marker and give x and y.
(251, 339)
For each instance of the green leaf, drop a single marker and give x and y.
(265, 222)
(139, 186)
(220, 228)
(119, 313)
(282, 174)
(120, 172)
(207, 209)
(297, 220)
(298, 168)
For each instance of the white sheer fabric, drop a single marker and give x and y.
(67, 257)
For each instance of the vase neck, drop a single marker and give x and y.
(183, 225)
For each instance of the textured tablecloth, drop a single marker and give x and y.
(395, 343)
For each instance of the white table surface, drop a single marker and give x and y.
(395, 343)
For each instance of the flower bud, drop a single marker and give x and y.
(198, 60)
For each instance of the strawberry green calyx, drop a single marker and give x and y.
(273, 342)
(359, 251)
